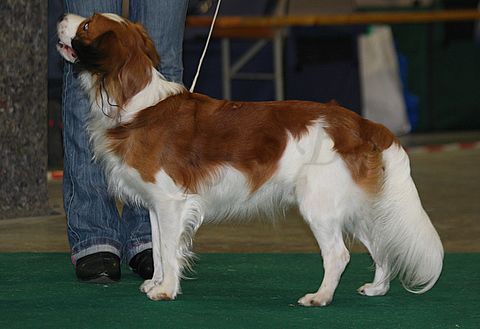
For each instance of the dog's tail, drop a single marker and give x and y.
(404, 239)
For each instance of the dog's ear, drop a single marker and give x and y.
(94, 56)
(125, 64)
(136, 71)
(134, 74)
(125, 68)
(147, 44)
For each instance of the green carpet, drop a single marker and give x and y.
(233, 291)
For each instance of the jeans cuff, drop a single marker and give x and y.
(95, 245)
(133, 248)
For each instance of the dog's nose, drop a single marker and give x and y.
(61, 18)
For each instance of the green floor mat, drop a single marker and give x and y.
(233, 291)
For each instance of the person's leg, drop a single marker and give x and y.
(138, 239)
(164, 21)
(92, 218)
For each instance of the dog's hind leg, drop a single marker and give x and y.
(379, 286)
(381, 281)
(321, 211)
(327, 198)
(335, 259)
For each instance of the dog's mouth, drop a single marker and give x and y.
(67, 51)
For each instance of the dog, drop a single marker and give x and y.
(189, 158)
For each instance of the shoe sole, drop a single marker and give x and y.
(100, 279)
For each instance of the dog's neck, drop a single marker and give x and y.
(106, 110)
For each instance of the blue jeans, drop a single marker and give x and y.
(93, 222)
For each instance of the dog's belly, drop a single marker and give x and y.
(230, 196)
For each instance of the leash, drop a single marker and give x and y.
(205, 48)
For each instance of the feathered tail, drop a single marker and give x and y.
(404, 240)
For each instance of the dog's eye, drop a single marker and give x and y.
(85, 27)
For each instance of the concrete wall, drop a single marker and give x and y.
(23, 108)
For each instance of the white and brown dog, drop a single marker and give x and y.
(189, 158)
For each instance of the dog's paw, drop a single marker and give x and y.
(161, 293)
(148, 285)
(370, 289)
(316, 299)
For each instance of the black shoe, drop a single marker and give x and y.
(142, 264)
(100, 267)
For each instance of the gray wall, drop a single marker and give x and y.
(23, 108)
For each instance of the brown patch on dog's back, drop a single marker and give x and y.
(190, 136)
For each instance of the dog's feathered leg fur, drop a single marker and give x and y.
(174, 223)
(169, 231)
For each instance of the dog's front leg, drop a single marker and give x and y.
(157, 277)
(166, 232)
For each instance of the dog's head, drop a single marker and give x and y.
(116, 52)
